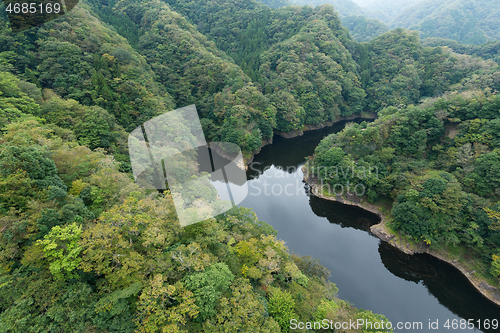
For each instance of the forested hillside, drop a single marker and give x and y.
(364, 29)
(79, 58)
(316, 90)
(363, 24)
(437, 172)
(414, 147)
(488, 51)
(385, 10)
(343, 7)
(268, 71)
(397, 70)
(466, 21)
(85, 249)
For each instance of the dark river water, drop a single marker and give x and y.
(369, 273)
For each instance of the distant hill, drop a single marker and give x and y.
(275, 3)
(343, 7)
(488, 51)
(385, 10)
(364, 29)
(363, 25)
(467, 21)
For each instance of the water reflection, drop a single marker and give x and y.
(442, 280)
(369, 273)
(290, 154)
(345, 216)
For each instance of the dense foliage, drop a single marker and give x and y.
(79, 58)
(397, 70)
(364, 29)
(437, 164)
(318, 75)
(85, 249)
(488, 51)
(238, 81)
(466, 21)
(343, 7)
(281, 39)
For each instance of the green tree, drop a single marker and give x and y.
(207, 288)
(242, 311)
(61, 248)
(487, 174)
(281, 308)
(164, 308)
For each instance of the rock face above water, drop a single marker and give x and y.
(382, 232)
(487, 287)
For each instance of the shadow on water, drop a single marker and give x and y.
(445, 282)
(343, 215)
(390, 282)
(442, 280)
(289, 154)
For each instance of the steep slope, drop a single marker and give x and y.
(343, 7)
(467, 21)
(314, 71)
(364, 29)
(194, 71)
(259, 29)
(385, 10)
(486, 51)
(78, 57)
(256, 29)
(396, 70)
(437, 177)
(275, 3)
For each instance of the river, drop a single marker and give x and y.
(368, 272)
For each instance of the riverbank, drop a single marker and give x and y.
(293, 134)
(399, 241)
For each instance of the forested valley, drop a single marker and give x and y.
(85, 249)
(460, 22)
(436, 161)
